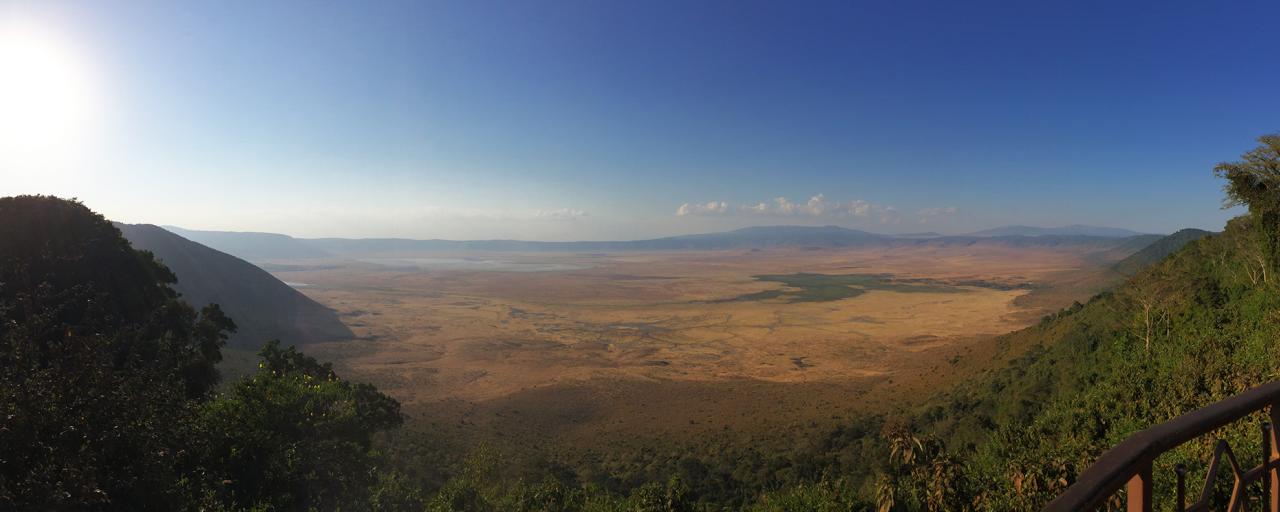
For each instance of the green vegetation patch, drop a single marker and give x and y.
(807, 287)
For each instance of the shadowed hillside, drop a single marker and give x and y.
(262, 307)
(1158, 251)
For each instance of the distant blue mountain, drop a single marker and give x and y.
(746, 238)
(251, 246)
(267, 246)
(926, 234)
(1073, 230)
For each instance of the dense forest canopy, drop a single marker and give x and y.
(108, 397)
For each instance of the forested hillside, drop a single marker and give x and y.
(108, 397)
(1191, 329)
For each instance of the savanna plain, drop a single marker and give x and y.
(574, 352)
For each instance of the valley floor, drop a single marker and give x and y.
(606, 350)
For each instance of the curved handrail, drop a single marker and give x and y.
(1129, 459)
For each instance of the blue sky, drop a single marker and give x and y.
(607, 120)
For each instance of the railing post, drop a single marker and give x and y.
(1273, 473)
(1181, 501)
(1139, 489)
(1266, 468)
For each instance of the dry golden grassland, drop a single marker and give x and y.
(660, 344)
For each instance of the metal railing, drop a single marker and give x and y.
(1128, 465)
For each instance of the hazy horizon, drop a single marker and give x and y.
(921, 232)
(583, 121)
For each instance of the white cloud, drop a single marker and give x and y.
(815, 207)
(559, 214)
(708, 208)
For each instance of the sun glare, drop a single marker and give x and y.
(45, 99)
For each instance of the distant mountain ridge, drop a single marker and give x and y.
(1072, 230)
(268, 246)
(925, 234)
(263, 307)
(249, 245)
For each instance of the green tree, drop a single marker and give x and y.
(1255, 182)
(100, 364)
(673, 496)
(295, 436)
(921, 475)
